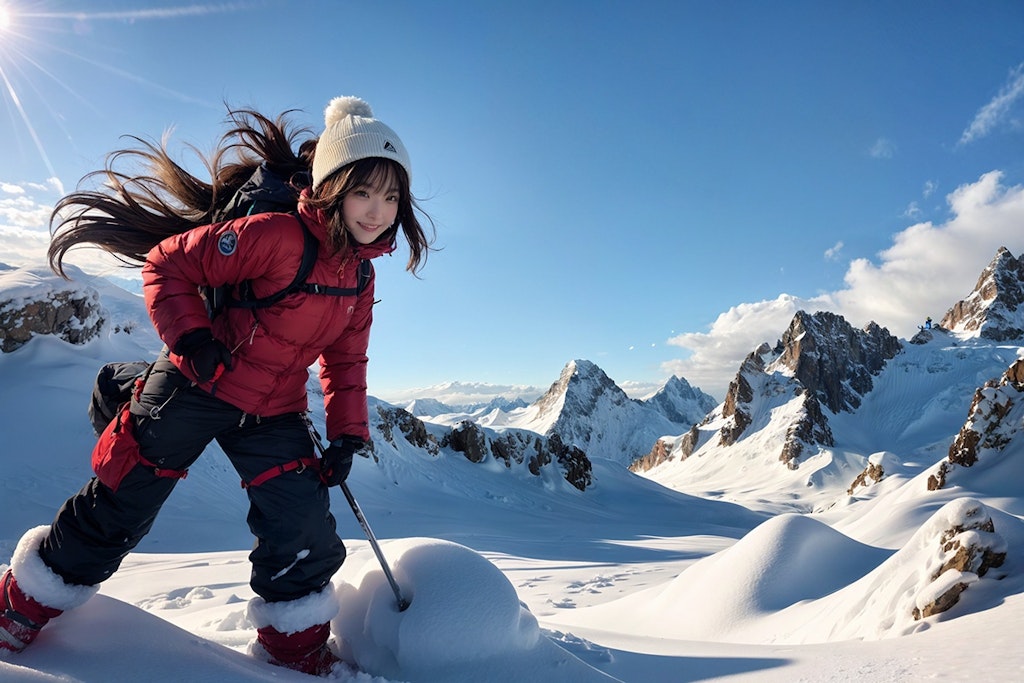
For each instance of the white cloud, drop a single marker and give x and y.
(912, 211)
(25, 210)
(882, 149)
(927, 269)
(998, 109)
(930, 267)
(929, 188)
(832, 253)
(716, 354)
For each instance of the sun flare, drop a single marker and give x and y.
(5, 18)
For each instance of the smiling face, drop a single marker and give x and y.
(370, 209)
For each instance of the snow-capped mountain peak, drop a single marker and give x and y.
(993, 309)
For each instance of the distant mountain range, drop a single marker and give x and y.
(794, 408)
(809, 393)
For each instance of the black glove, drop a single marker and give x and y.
(337, 460)
(207, 356)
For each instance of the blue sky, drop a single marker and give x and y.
(653, 186)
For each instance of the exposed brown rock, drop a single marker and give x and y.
(972, 547)
(811, 428)
(872, 474)
(1015, 375)
(937, 480)
(73, 315)
(688, 443)
(413, 429)
(536, 451)
(739, 394)
(942, 603)
(661, 452)
(833, 360)
(990, 308)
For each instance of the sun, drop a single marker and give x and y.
(5, 18)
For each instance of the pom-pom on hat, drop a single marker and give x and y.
(352, 134)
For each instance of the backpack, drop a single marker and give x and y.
(267, 191)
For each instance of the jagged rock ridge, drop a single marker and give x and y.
(820, 362)
(511, 447)
(993, 309)
(994, 420)
(833, 360)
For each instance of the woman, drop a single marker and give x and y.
(239, 378)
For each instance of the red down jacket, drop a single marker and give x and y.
(272, 348)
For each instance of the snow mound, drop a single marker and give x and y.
(786, 560)
(949, 567)
(455, 596)
(464, 620)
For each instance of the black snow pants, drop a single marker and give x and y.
(297, 548)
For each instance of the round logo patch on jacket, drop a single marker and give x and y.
(227, 243)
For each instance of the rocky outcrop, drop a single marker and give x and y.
(409, 426)
(516, 447)
(74, 315)
(968, 548)
(665, 450)
(477, 444)
(575, 464)
(661, 452)
(833, 360)
(993, 308)
(993, 421)
(739, 395)
(822, 362)
(811, 428)
(872, 474)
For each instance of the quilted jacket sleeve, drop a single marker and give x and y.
(343, 373)
(267, 246)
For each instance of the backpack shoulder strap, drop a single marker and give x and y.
(310, 248)
(309, 253)
(365, 275)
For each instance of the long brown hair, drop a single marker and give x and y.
(132, 212)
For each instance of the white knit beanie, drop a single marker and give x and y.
(352, 134)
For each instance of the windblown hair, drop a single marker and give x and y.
(132, 212)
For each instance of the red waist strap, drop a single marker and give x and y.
(161, 472)
(277, 470)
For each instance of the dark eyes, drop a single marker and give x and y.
(365, 194)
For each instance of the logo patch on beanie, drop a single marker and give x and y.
(389, 147)
(227, 243)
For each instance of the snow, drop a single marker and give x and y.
(734, 571)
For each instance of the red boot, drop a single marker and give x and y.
(31, 594)
(294, 633)
(21, 617)
(306, 651)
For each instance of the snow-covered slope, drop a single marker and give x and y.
(628, 579)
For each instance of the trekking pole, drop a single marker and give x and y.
(403, 604)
